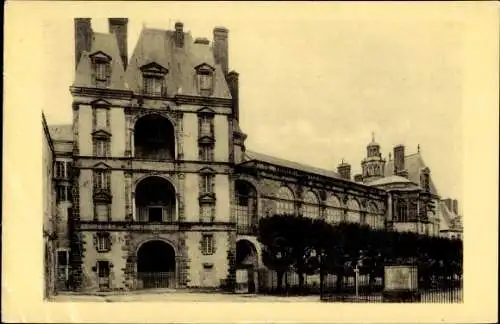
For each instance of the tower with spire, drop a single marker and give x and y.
(373, 164)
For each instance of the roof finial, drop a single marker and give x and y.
(390, 156)
(418, 148)
(373, 136)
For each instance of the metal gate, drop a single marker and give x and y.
(151, 280)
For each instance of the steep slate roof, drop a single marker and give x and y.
(156, 45)
(388, 180)
(450, 219)
(108, 44)
(61, 132)
(413, 164)
(250, 155)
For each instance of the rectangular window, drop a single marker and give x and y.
(103, 243)
(205, 81)
(101, 148)
(207, 183)
(207, 213)
(206, 153)
(101, 179)
(206, 128)
(102, 212)
(153, 85)
(103, 269)
(63, 193)
(207, 244)
(62, 258)
(61, 170)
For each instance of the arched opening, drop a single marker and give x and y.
(246, 207)
(311, 205)
(155, 200)
(286, 201)
(156, 265)
(333, 211)
(246, 266)
(154, 138)
(353, 211)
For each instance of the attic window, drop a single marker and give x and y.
(153, 76)
(205, 78)
(101, 68)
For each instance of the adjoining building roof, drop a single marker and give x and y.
(392, 179)
(61, 132)
(413, 164)
(250, 155)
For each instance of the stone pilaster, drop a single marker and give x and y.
(128, 196)
(230, 284)
(180, 197)
(182, 261)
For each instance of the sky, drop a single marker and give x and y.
(316, 80)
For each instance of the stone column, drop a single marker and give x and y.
(180, 198)
(128, 196)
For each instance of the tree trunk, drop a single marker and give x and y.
(301, 282)
(280, 281)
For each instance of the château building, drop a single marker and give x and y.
(155, 185)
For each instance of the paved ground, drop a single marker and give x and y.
(182, 297)
(186, 296)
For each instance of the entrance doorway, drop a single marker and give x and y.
(246, 267)
(156, 265)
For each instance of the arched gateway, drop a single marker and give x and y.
(247, 265)
(156, 265)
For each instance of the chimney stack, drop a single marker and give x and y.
(179, 34)
(344, 170)
(448, 203)
(399, 160)
(83, 37)
(220, 46)
(118, 26)
(233, 83)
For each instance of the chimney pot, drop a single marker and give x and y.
(202, 40)
(344, 170)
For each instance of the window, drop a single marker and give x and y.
(353, 215)
(102, 72)
(205, 80)
(207, 213)
(206, 126)
(206, 153)
(153, 85)
(103, 242)
(102, 212)
(285, 203)
(61, 169)
(311, 205)
(101, 147)
(62, 268)
(207, 183)
(101, 118)
(101, 179)
(402, 210)
(103, 269)
(207, 244)
(63, 193)
(334, 213)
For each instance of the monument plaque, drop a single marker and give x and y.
(401, 283)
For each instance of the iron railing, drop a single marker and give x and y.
(151, 280)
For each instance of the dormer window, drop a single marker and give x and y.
(153, 76)
(205, 76)
(101, 69)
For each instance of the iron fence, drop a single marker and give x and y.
(151, 280)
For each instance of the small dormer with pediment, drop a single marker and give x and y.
(205, 79)
(153, 79)
(101, 69)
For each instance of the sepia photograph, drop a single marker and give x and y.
(234, 155)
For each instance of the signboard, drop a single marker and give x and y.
(401, 277)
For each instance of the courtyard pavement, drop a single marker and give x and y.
(177, 296)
